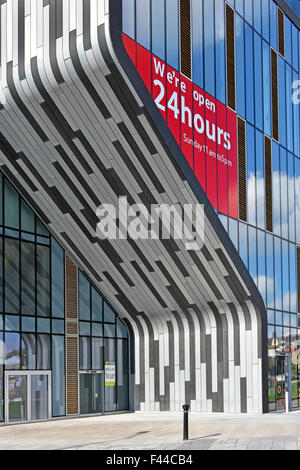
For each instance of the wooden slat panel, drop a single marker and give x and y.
(185, 38)
(274, 81)
(242, 169)
(71, 342)
(281, 45)
(268, 184)
(230, 52)
(71, 289)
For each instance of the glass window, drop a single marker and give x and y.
(197, 42)
(97, 329)
(12, 323)
(297, 202)
(121, 329)
(109, 315)
(243, 243)
(276, 189)
(43, 281)
(257, 15)
(260, 179)
(284, 199)
(84, 353)
(253, 253)
(12, 351)
(220, 51)
(288, 39)
(249, 74)
(143, 23)
(270, 271)
(282, 101)
(43, 325)
(285, 276)
(278, 273)
(122, 376)
(97, 314)
(85, 328)
(158, 28)
(41, 229)
(43, 352)
(11, 206)
(295, 46)
(28, 324)
(258, 83)
(251, 176)
(27, 218)
(266, 20)
(273, 25)
(84, 297)
(109, 330)
(239, 6)
(271, 317)
(267, 88)
(58, 375)
(58, 327)
(172, 24)
(296, 118)
(289, 109)
(293, 278)
(12, 273)
(110, 359)
(233, 232)
(209, 49)
(28, 352)
(240, 66)
(58, 279)
(129, 18)
(97, 353)
(27, 278)
(1, 322)
(249, 11)
(261, 264)
(291, 197)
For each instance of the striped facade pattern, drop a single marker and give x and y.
(77, 131)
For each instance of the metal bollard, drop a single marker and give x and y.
(186, 422)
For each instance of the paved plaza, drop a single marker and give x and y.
(157, 431)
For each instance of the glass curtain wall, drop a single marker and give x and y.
(103, 345)
(32, 300)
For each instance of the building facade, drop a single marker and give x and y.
(162, 102)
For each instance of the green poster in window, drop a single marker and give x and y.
(110, 374)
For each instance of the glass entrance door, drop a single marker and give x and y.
(17, 398)
(91, 393)
(28, 396)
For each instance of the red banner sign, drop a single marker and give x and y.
(205, 128)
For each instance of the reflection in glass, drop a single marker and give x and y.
(84, 353)
(28, 352)
(58, 376)
(122, 382)
(43, 281)
(27, 278)
(17, 398)
(39, 397)
(12, 351)
(110, 359)
(57, 279)
(84, 297)
(12, 273)
(43, 352)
